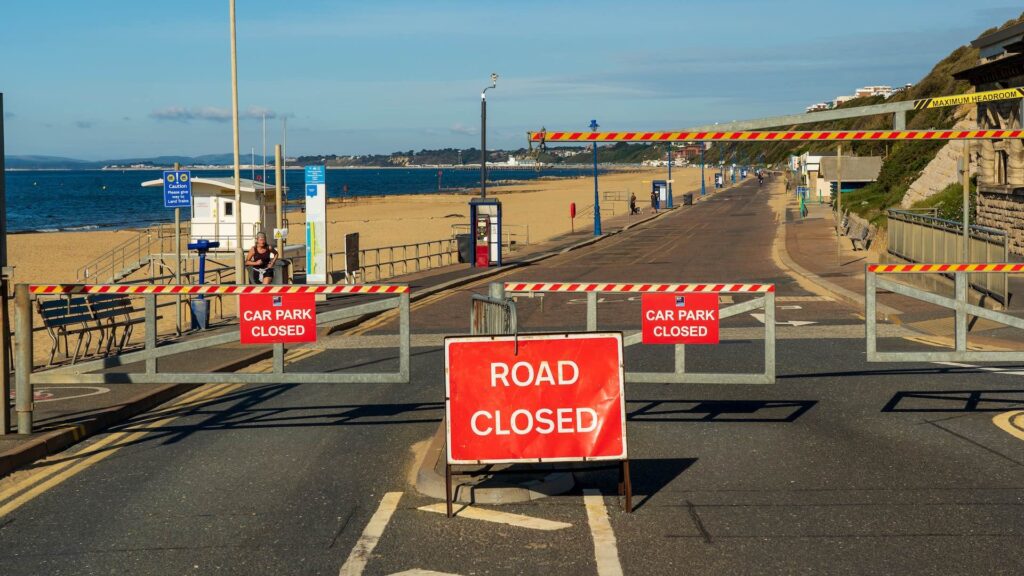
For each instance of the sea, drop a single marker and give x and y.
(63, 200)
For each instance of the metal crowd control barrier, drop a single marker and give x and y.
(492, 316)
(679, 374)
(85, 372)
(959, 304)
(917, 237)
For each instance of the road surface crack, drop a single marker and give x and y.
(692, 509)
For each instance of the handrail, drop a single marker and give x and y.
(951, 225)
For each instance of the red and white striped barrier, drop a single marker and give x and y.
(215, 289)
(910, 268)
(605, 287)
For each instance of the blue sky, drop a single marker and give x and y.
(124, 78)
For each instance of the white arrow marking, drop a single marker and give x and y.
(760, 318)
(499, 517)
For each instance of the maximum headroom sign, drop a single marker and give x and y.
(551, 397)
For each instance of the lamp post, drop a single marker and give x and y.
(703, 190)
(239, 262)
(597, 201)
(668, 198)
(483, 135)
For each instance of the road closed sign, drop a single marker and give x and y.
(277, 318)
(536, 398)
(680, 318)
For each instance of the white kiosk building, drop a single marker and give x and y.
(214, 211)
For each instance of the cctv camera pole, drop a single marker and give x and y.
(483, 135)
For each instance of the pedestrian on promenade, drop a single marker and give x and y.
(261, 259)
(633, 208)
(655, 201)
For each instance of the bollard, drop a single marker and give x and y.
(23, 402)
(150, 328)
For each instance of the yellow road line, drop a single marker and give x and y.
(55, 474)
(1011, 422)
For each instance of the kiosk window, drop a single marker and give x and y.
(229, 209)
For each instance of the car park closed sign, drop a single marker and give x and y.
(680, 318)
(535, 398)
(277, 318)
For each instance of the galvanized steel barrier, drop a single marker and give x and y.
(959, 304)
(679, 375)
(924, 238)
(85, 372)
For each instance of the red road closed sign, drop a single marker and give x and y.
(680, 318)
(277, 318)
(556, 398)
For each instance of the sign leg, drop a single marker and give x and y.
(628, 485)
(448, 488)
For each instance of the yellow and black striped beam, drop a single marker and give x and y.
(775, 136)
(977, 97)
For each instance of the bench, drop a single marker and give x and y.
(864, 236)
(81, 317)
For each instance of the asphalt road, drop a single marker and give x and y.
(840, 467)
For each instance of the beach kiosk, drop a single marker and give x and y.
(660, 187)
(485, 232)
(214, 211)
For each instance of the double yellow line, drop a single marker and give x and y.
(19, 489)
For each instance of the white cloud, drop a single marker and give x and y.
(209, 113)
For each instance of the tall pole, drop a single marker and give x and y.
(177, 259)
(483, 143)
(668, 198)
(284, 149)
(966, 179)
(239, 263)
(5, 322)
(278, 218)
(483, 135)
(703, 190)
(597, 199)
(264, 159)
(839, 199)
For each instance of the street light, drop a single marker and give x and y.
(239, 262)
(597, 201)
(483, 135)
(703, 191)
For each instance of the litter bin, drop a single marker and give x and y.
(465, 244)
(200, 308)
(687, 199)
(282, 271)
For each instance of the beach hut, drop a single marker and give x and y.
(214, 211)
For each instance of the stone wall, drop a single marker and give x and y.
(1005, 212)
(942, 170)
(1000, 201)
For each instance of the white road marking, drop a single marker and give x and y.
(606, 552)
(519, 520)
(791, 307)
(360, 554)
(760, 318)
(422, 572)
(996, 369)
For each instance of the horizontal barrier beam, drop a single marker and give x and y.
(942, 268)
(772, 136)
(640, 288)
(215, 289)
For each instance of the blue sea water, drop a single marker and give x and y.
(90, 199)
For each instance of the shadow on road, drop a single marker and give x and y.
(955, 401)
(781, 411)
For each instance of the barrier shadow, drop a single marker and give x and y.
(955, 401)
(649, 476)
(746, 411)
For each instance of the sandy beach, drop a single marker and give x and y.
(541, 205)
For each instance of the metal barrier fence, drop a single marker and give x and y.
(959, 304)
(86, 372)
(376, 264)
(493, 315)
(924, 238)
(765, 301)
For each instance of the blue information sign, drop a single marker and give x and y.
(316, 175)
(177, 189)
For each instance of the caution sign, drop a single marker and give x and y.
(552, 397)
(277, 318)
(679, 318)
(977, 97)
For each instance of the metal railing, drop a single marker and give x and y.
(918, 237)
(100, 371)
(960, 305)
(376, 264)
(512, 235)
(132, 254)
(764, 299)
(493, 315)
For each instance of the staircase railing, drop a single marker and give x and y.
(132, 254)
